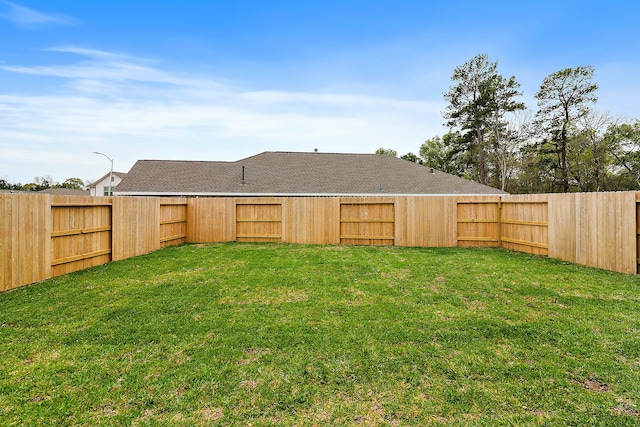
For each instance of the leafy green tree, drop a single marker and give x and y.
(506, 124)
(6, 185)
(412, 158)
(535, 172)
(73, 183)
(39, 183)
(477, 104)
(563, 98)
(625, 141)
(590, 156)
(437, 153)
(387, 152)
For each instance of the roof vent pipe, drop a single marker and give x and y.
(431, 170)
(315, 150)
(243, 182)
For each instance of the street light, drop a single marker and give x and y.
(110, 173)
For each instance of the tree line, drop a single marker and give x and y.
(565, 146)
(42, 183)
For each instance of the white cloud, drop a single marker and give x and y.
(131, 109)
(28, 17)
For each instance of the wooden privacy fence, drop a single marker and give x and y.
(80, 234)
(258, 221)
(173, 222)
(520, 225)
(367, 223)
(42, 236)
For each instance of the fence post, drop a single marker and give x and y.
(500, 221)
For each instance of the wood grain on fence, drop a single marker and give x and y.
(259, 220)
(638, 232)
(42, 235)
(312, 220)
(211, 219)
(367, 222)
(6, 242)
(478, 221)
(595, 229)
(173, 221)
(524, 224)
(80, 233)
(25, 243)
(426, 221)
(136, 226)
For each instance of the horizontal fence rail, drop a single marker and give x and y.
(173, 223)
(80, 233)
(42, 236)
(367, 223)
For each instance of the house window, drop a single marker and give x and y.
(108, 191)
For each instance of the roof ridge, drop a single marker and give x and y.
(190, 161)
(311, 152)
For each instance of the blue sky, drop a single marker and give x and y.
(223, 80)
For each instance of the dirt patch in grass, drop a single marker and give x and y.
(595, 385)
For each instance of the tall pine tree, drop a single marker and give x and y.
(479, 96)
(564, 97)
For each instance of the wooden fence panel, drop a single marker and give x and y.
(367, 222)
(173, 222)
(312, 220)
(80, 236)
(524, 224)
(258, 221)
(136, 226)
(26, 246)
(594, 229)
(478, 222)
(426, 221)
(211, 220)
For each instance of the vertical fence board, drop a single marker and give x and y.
(427, 221)
(6, 237)
(624, 259)
(638, 232)
(436, 223)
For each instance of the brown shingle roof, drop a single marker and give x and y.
(287, 173)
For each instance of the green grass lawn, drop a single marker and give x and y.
(271, 335)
